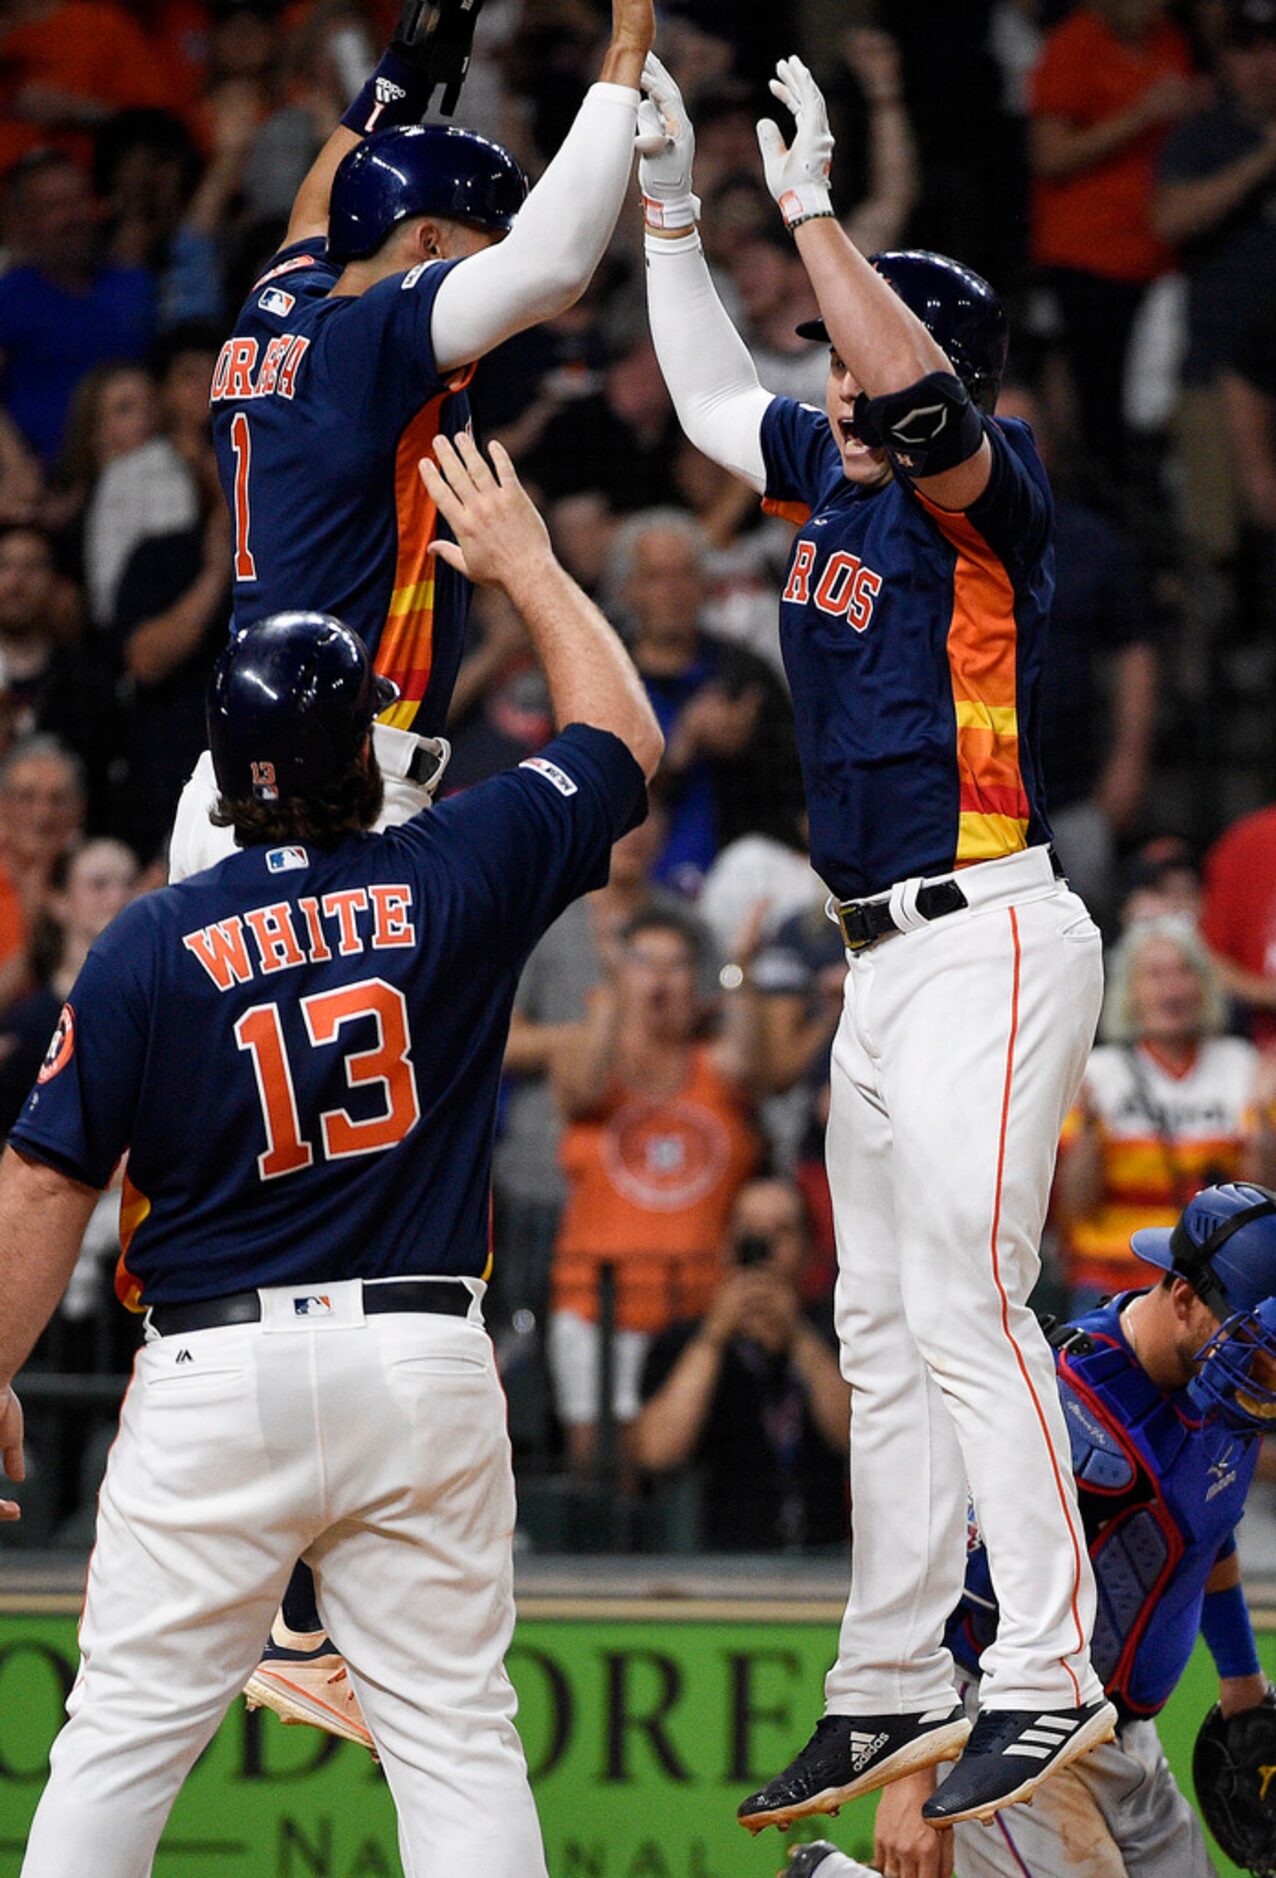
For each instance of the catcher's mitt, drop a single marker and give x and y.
(1234, 1772)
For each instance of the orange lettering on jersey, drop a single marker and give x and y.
(268, 376)
(221, 951)
(833, 593)
(342, 907)
(288, 371)
(243, 357)
(320, 950)
(799, 587)
(272, 929)
(866, 589)
(393, 927)
(847, 589)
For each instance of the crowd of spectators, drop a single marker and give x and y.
(662, 1224)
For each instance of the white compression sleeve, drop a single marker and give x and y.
(559, 236)
(711, 378)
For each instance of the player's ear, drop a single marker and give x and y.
(429, 241)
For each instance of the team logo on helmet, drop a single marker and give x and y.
(61, 1046)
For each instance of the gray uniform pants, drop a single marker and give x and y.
(1116, 1813)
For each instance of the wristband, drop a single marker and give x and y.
(804, 202)
(681, 213)
(1228, 1633)
(398, 92)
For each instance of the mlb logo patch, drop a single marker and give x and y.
(312, 1307)
(282, 860)
(557, 778)
(275, 300)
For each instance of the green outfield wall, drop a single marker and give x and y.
(642, 1727)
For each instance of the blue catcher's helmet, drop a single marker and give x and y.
(1224, 1245)
(959, 310)
(289, 704)
(419, 169)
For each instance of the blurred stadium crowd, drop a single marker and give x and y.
(663, 1238)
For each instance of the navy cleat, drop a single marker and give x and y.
(1011, 1752)
(853, 1754)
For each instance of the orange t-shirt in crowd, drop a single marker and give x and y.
(14, 930)
(86, 47)
(1238, 918)
(1099, 219)
(650, 1188)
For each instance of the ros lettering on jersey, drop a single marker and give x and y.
(238, 374)
(846, 589)
(309, 930)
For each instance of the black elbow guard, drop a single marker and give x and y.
(928, 427)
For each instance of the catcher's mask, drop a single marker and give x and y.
(1236, 1383)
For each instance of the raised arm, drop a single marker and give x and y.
(882, 343)
(501, 541)
(584, 196)
(711, 378)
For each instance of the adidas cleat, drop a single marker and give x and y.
(849, 1755)
(1011, 1752)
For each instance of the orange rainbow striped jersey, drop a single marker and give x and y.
(323, 405)
(913, 639)
(1207, 1114)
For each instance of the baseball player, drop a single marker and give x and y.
(911, 624)
(300, 1049)
(1167, 1393)
(410, 253)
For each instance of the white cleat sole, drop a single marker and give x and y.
(295, 1705)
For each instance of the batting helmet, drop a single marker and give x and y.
(289, 704)
(959, 310)
(419, 169)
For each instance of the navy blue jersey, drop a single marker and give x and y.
(1160, 1498)
(301, 1049)
(913, 639)
(322, 408)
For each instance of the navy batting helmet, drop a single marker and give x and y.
(289, 704)
(419, 169)
(959, 310)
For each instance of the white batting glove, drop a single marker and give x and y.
(797, 174)
(666, 146)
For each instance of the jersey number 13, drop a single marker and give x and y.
(260, 1032)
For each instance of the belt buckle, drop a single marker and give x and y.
(852, 944)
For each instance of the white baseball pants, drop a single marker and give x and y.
(960, 1048)
(376, 1449)
(196, 844)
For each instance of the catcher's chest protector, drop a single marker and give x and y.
(1159, 1497)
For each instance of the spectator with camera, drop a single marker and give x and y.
(659, 1135)
(751, 1391)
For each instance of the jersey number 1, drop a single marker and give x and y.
(260, 1032)
(242, 444)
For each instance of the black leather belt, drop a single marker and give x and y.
(864, 922)
(446, 1299)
